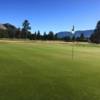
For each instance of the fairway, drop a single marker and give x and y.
(46, 71)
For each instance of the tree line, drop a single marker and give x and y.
(25, 33)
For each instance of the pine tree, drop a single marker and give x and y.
(51, 36)
(95, 37)
(25, 29)
(82, 38)
(38, 35)
(44, 36)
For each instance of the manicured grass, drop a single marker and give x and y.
(46, 71)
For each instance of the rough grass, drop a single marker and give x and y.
(46, 71)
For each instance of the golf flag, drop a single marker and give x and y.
(73, 28)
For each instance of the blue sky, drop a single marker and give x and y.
(55, 15)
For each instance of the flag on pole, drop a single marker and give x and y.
(73, 28)
(73, 37)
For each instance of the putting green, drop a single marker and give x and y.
(46, 71)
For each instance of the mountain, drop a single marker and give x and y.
(87, 33)
(7, 26)
(2, 27)
(7, 30)
(63, 34)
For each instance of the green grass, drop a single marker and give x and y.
(46, 71)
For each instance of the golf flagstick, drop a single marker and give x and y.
(73, 37)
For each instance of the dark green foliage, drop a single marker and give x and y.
(78, 38)
(26, 25)
(3, 34)
(55, 37)
(18, 33)
(95, 37)
(51, 36)
(67, 39)
(32, 37)
(82, 38)
(38, 36)
(73, 38)
(44, 37)
(25, 29)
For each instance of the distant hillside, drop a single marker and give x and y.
(7, 30)
(2, 27)
(87, 33)
(63, 34)
(7, 26)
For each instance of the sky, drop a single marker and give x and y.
(51, 15)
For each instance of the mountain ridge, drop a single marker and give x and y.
(87, 33)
